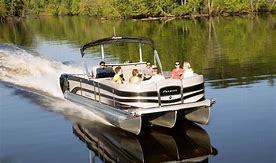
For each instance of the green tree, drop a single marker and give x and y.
(161, 7)
(3, 11)
(14, 7)
(132, 8)
(236, 5)
(75, 7)
(139, 7)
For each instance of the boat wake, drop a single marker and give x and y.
(27, 69)
(37, 78)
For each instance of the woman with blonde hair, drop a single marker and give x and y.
(188, 71)
(135, 79)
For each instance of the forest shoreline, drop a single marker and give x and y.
(134, 9)
(10, 19)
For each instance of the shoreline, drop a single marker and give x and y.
(8, 19)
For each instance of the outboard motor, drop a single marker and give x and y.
(64, 84)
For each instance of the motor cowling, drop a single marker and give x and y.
(63, 81)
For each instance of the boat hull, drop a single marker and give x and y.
(132, 121)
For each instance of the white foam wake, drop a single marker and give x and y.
(40, 76)
(23, 68)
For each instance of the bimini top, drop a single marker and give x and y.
(115, 39)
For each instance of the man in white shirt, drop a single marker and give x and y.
(147, 71)
(155, 76)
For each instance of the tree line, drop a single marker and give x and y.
(133, 8)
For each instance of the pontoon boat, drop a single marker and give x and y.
(131, 106)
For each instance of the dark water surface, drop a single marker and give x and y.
(236, 55)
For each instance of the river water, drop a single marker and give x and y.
(236, 55)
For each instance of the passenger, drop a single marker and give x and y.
(147, 71)
(118, 76)
(110, 72)
(155, 75)
(135, 79)
(188, 71)
(103, 71)
(177, 72)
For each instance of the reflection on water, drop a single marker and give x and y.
(223, 83)
(239, 48)
(185, 142)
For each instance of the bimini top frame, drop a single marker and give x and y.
(116, 39)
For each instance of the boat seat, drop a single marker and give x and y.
(105, 73)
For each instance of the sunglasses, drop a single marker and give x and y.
(176, 64)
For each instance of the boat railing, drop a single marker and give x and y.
(78, 75)
(125, 64)
(128, 87)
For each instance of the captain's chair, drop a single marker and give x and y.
(104, 72)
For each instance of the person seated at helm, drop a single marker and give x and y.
(135, 79)
(155, 75)
(147, 71)
(103, 71)
(118, 76)
(188, 71)
(177, 72)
